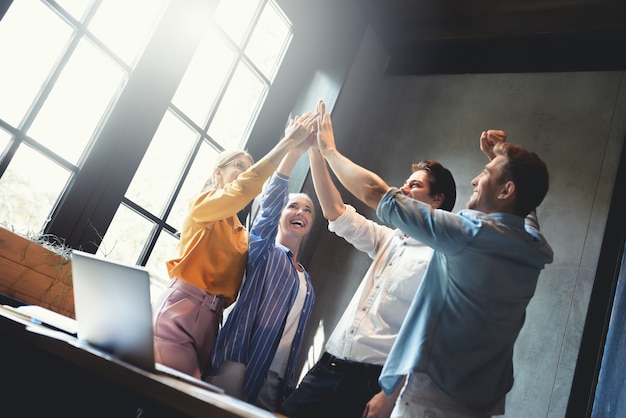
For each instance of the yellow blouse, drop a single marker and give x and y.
(213, 247)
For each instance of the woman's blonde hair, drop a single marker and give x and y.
(225, 158)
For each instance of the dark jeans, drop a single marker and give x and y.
(333, 388)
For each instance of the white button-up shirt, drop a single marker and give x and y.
(372, 320)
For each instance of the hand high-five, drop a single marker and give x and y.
(299, 133)
(325, 136)
(300, 127)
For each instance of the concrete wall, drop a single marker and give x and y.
(574, 121)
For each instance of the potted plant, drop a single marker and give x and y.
(36, 270)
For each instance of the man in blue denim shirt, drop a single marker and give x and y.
(454, 352)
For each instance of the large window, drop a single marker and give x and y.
(85, 74)
(62, 70)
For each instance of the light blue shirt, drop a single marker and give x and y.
(464, 320)
(255, 325)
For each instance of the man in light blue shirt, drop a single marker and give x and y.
(454, 352)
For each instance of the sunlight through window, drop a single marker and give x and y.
(219, 96)
(72, 60)
(58, 89)
(86, 87)
(33, 57)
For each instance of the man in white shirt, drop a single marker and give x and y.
(344, 382)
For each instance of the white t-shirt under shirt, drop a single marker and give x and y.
(279, 364)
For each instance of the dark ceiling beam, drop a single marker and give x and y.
(603, 51)
(513, 18)
(489, 36)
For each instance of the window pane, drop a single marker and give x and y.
(32, 39)
(70, 115)
(235, 17)
(238, 109)
(269, 40)
(164, 250)
(74, 7)
(124, 26)
(29, 189)
(125, 237)
(205, 76)
(160, 168)
(4, 141)
(199, 173)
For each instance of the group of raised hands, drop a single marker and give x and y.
(312, 129)
(315, 129)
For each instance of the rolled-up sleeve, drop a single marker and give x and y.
(439, 229)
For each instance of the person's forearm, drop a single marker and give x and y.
(295, 133)
(362, 183)
(288, 162)
(276, 154)
(327, 194)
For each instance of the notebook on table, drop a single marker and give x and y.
(114, 313)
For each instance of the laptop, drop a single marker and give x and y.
(114, 313)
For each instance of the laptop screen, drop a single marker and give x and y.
(113, 308)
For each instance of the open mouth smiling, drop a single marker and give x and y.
(298, 222)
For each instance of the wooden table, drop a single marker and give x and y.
(45, 376)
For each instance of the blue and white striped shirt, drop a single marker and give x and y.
(255, 325)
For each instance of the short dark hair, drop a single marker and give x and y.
(440, 180)
(528, 172)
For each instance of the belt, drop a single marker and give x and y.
(350, 367)
(215, 303)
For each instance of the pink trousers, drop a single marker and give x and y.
(186, 322)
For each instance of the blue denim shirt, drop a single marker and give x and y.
(464, 320)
